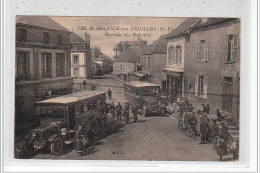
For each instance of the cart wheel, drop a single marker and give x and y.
(26, 147)
(56, 146)
(145, 113)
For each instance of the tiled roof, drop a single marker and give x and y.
(212, 21)
(131, 55)
(184, 26)
(40, 21)
(157, 47)
(122, 45)
(75, 38)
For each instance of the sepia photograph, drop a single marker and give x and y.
(127, 88)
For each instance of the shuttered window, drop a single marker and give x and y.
(196, 84)
(173, 54)
(169, 55)
(206, 51)
(205, 86)
(202, 51)
(197, 51)
(231, 48)
(235, 48)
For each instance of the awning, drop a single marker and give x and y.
(173, 71)
(139, 74)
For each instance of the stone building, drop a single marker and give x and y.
(127, 62)
(123, 45)
(153, 60)
(42, 64)
(177, 47)
(81, 60)
(213, 64)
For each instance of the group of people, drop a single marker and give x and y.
(214, 132)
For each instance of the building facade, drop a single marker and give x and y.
(123, 45)
(127, 62)
(177, 46)
(81, 61)
(213, 65)
(42, 63)
(153, 60)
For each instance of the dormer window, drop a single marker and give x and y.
(46, 38)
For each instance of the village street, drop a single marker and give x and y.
(152, 138)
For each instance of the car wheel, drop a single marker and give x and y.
(56, 146)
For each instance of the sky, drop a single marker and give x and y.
(106, 32)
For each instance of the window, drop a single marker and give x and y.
(178, 54)
(46, 38)
(23, 64)
(60, 64)
(170, 55)
(59, 39)
(75, 46)
(175, 55)
(22, 35)
(202, 51)
(46, 64)
(231, 48)
(201, 85)
(75, 59)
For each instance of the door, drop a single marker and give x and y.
(227, 95)
(71, 116)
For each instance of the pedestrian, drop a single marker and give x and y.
(109, 94)
(206, 122)
(208, 108)
(126, 110)
(119, 109)
(223, 131)
(135, 112)
(186, 120)
(112, 107)
(79, 142)
(219, 115)
(111, 120)
(204, 108)
(90, 133)
(202, 133)
(214, 134)
(84, 84)
(221, 147)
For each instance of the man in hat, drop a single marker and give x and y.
(208, 108)
(119, 109)
(79, 142)
(204, 108)
(135, 112)
(109, 94)
(214, 134)
(126, 110)
(219, 115)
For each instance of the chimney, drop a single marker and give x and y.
(87, 38)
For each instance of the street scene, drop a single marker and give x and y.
(154, 89)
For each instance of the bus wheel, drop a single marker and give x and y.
(96, 127)
(56, 146)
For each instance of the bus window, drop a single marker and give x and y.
(78, 109)
(82, 107)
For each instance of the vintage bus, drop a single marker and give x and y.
(60, 117)
(146, 95)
